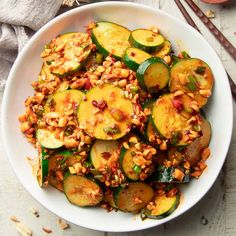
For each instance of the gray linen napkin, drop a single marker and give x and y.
(19, 19)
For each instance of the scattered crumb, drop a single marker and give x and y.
(14, 219)
(34, 211)
(20, 227)
(154, 29)
(46, 230)
(210, 14)
(23, 229)
(204, 220)
(62, 224)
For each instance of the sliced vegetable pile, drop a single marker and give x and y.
(116, 119)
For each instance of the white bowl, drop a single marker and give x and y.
(27, 66)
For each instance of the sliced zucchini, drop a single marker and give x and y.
(167, 175)
(55, 164)
(133, 57)
(55, 182)
(109, 198)
(166, 49)
(110, 39)
(47, 139)
(168, 120)
(42, 173)
(63, 159)
(146, 40)
(193, 150)
(134, 197)
(192, 76)
(101, 152)
(45, 74)
(59, 101)
(105, 113)
(163, 207)
(82, 191)
(153, 75)
(127, 164)
(149, 129)
(67, 53)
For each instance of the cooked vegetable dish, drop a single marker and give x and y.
(116, 118)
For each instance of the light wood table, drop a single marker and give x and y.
(215, 214)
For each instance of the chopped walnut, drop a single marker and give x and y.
(210, 14)
(62, 224)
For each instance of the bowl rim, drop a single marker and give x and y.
(28, 46)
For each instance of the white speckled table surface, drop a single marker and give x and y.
(215, 214)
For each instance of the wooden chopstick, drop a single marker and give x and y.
(214, 30)
(192, 23)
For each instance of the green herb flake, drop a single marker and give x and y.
(137, 169)
(192, 83)
(87, 164)
(185, 54)
(112, 129)
(200, 70)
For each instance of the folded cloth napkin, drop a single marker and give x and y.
(19, 19)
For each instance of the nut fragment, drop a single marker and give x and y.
(23, 229)
(167, 59)
(62, 224)
(46, 230)
(122, 83)
(34, 211)
(205, 92)
(210, 14)
(163, 146)
(14, 219)
(137, 200)
(71, 143)
(206, 152)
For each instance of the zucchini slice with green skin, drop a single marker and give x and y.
(149, 129)
(167, 175)
(127, 164)
(42, 173)
(110, 39)
(82, 191)
(133, 57)
(75, 48)
(45, 74)
(166, 49)
(59, 101)
(170, 122)
(62, 159)
(194, 149)
(134, 197)
(109, 198)
(47, 139)
(102, 151)
(146, 40)
(105, 113)
(164, 206)
(192, 76)
(153, 74)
